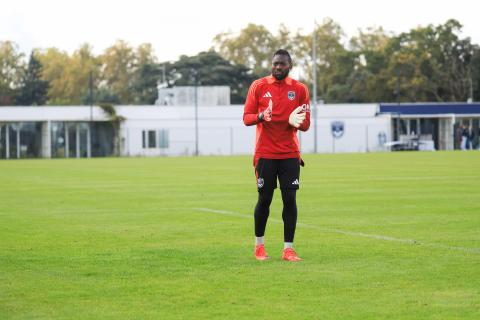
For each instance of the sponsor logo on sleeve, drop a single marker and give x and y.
(305, 107)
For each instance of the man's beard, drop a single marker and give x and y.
(282, 76)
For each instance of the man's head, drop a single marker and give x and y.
(281, 64)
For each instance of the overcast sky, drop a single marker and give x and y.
(179, 27)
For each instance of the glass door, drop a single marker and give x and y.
(476, 133)
(71, 140)
(58, 139)
(84, 139)
(3, 147)
(13, 141)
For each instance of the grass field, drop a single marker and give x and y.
(384, 236)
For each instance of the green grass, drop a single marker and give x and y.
(121, 239)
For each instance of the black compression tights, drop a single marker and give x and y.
(289, 213)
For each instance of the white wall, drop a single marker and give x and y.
(362, 127)
(185, 95)
(221, 129)
(360, 135)
(54, 113)
(222, 132)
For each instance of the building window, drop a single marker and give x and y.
(152, 139)
(413, 127)
(149, 139)
(403, 126)
(163, 139)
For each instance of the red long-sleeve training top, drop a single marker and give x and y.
(276, 139)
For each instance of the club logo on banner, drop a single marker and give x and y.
(338, 128)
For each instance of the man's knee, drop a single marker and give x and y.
(265, 198)
(289, 197)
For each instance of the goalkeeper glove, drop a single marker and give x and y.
(296, 117)
(266, 115)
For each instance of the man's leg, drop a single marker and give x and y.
(262, 210)
(265, 172)
(289, 214)
(289, 176)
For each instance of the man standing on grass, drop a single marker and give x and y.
(279, 106)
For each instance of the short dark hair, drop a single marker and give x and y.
(283, 52)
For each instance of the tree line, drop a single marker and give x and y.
(122, 74)
(430, 63)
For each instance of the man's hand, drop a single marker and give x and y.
(296, 117)
(266, 115)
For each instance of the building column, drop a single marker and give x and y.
(450, 133)
(46, 139)
(67, 146)
(89, 141)
(18, 141)
(446, 133)
(7, 141)
(77, 140)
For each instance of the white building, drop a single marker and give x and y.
(185, 96)
(81, 131)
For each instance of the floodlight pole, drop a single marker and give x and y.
(163, 73)
(90, 91)
(314, 87)
(398, 85)
(470, 99)
(89, 136)
(196, 119)
(195, 83)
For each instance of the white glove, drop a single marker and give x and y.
(296, 117)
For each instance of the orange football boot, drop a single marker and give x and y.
(290, 255)
(260, 253)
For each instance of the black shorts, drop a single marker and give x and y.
(287, 171)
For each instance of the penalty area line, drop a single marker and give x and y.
(348, 233)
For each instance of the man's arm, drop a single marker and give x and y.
(305, 104)
(251, 115)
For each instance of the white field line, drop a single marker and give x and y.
(349, 233)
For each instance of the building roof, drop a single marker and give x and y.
(430, 108)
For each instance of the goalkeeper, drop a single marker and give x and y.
(279, 106)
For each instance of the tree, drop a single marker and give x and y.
(118, 63)
(55, 64)
(11, 70)
(212, 69)
(83, 63)
(431, 64)
(457, 58)
(116, 122)
(369, 78)
(253, 48)
(334, 62)
(475, 76)
(33, 90)
(146, 75)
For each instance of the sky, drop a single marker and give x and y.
(177, 27)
